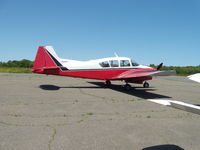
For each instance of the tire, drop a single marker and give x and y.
(127, 87)
(146, 85)
(107, 83)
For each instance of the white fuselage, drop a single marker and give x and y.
(96, 64)
(104, 63)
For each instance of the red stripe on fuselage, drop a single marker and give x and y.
(100, 74)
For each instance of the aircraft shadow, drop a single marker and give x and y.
(54, 87)
(135, 91)
(164, 147)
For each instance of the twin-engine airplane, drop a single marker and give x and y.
(107, 69)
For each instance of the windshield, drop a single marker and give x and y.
(104, 64)
(134, 63)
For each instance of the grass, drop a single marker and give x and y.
(88, 114)
(135, 99)
(52, 137)
(80, 121)
(15, 70)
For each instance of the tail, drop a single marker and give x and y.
(47, 61)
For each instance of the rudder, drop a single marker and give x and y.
(44, 61)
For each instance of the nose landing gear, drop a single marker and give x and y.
(145, 84)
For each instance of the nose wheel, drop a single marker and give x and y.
(145, 84)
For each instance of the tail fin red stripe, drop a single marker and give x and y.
(43, 60)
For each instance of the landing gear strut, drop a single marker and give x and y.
(145, 84)
(107, 83)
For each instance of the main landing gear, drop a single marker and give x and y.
(107, 83)
(127, 87)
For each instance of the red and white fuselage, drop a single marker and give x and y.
(112, 68)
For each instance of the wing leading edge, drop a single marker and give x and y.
(143, 73)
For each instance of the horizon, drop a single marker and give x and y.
(150, 32)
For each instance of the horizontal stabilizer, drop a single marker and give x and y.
(52, 70)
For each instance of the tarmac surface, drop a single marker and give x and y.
(39, 112)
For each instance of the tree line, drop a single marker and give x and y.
(24, 63)
(183, 70)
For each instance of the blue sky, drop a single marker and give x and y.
(149, 31)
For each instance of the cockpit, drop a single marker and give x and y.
(118, 63)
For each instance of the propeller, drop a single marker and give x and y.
(159, 66)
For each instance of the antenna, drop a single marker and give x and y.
(116, 54)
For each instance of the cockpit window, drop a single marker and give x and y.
(134, 63)
(104, 64)
(114, 63)
(124, 63)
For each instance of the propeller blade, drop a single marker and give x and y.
(159, 66)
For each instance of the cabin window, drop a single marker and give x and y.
(114, 63)
(104, 64)
(124, 63)
(134, 63)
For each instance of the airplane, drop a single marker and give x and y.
(107, 69)
(195, 77)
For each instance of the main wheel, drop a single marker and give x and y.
(146, 85)
(107, 83)
(127, 87)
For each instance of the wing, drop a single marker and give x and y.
(143, 73)
(195, 77)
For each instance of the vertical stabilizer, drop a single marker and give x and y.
(46, 60)
(52, 52)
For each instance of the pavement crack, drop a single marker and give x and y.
(52, 138)
(86, 93)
